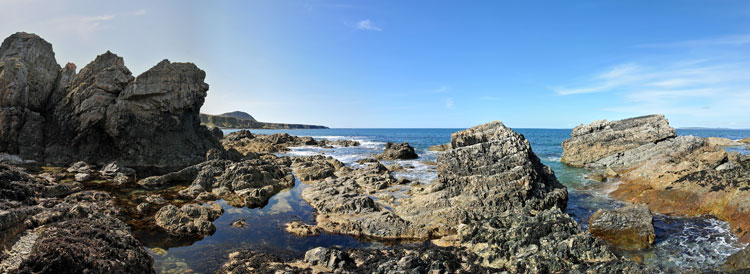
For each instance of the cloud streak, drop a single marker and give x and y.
(367, 25)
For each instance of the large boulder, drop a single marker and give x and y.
(101, 114)
(189, 220)
(630, 227)
(398, 151)
(599, 139)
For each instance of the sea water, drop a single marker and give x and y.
(681, 243)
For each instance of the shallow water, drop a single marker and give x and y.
(693, 243)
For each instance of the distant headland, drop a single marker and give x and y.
(243, 120)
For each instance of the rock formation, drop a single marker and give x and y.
(245, 142)
(493, 198)
(57, 227)
(189, 220)
(630, 227)
(684, 175)
(101, 114)
(402, 151)
(592, 142)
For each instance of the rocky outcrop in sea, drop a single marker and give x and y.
(682, 175)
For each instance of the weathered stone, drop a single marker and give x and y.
(629, 228)
(683, 175)
(101, 114)
(189, 220)
(599, 139)
(737, 262)
(301, 229)
(113, 169)
(402, 151)
(313, 168)
(248, 143)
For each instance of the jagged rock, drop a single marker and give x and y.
(313, 168)
(629, 228)
(82, 177)
(683, 175)
(745, 141)
(189, 220)
(246, 183)
(402, 151)
(599, 139)
(101, 114)
(239, 224)
(327, 258)
(301, 229)
(442, 147)
(80, 167)
(722, 141)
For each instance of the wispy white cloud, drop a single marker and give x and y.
(139, 12)
(367, 25)
(82, 25)
(449, 104)
(441, 89)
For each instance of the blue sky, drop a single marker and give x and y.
(551, 64)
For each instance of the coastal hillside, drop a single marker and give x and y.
(239, 119)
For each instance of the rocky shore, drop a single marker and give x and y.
(100, 154)
(679, 175)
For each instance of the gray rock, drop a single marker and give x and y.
(189, 220)
(101, 114)
(629, 228)
(313, 168)
(589, 143)
(402, 151)
(114, 169)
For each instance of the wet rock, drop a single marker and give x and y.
(102, 114)
(328, 258)
(599, 139)
(92, 245)
(252, 262)
(239, 224)
(189, 220)
(745, 141)
(313, 168)
(402, 151)
(301, 230)
(343, 143)
(395, 168)
(629, 228)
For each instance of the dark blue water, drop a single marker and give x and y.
(681, 243)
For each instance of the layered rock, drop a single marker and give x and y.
(246, 142)
(493, 198)
(400, 151)
(53, 226)
(630, 227)
(314, 168)
(245, 183)
(103, 113)
(594, 141)
(683, 175)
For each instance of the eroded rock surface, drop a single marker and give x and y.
(630, 227)
(493, 198)
(314, 168)
(683, 175)
(103, 113)
(190, 219)
(589, 143)
(398, 151)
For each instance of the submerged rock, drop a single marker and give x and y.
(629, 228)
(102, 114)
(301, 229)
(402, 151)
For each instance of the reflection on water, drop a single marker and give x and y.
(698, 243)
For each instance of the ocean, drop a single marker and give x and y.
(682, 243)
